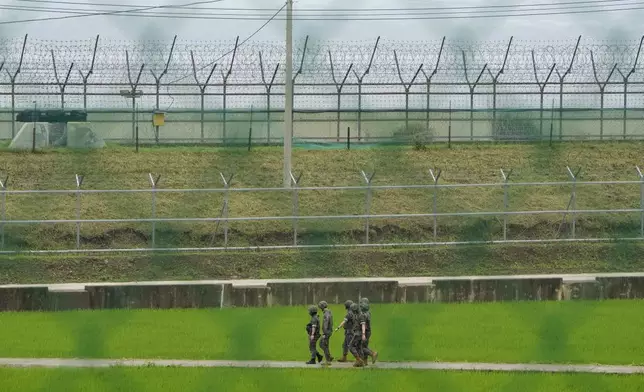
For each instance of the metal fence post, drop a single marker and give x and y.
(224, 213)
(3, 213)
(153, 183)
(406, 87)
(435, 177)
(602, 87)
(134, 83)
(573, 199)
(542, 88)
(639, 172)
(296, 204)
(625, 78)
(562, 78)
(85, 77)
(157, 80)
(360, 78)
(225, 76)
(202, 92)
(428, 82)
(268, 86)
(79, 182)
(506, 204)
(339, 85)
(471, 87)
(62, 85)
(12, 79)
(367, 206)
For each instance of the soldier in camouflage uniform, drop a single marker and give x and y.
(357, 336)
(327, 331)
(348, 331)
(313, 332)
(366, 330)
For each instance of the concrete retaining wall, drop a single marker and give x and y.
(155, 296)
(217, 294)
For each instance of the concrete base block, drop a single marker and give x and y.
(621, 287)
(249, 296)
(156, 296)
(580, 289)
(17, 299)
(422, 293)
(301, 294)
(492, 290)
(69, 300)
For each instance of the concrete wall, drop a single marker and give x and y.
(216, 294)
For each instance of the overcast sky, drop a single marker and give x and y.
(610, 25)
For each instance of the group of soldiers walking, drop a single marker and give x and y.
(357, 332)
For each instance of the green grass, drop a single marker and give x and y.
(430, 261)
(176, 379)
(570, 332)
(181, 167)
(199, 167)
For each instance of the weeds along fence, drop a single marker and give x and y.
(301, 217)
(367, 92)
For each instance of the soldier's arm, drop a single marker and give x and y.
(364, 329)
(313, 327)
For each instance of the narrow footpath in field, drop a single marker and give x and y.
(494, 367)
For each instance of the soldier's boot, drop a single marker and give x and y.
(319, 356)
(374, 357)
(358, 363)
(343, 359)
(311, 361)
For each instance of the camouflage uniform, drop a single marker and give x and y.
(366, 351)
(356, 334)
(327, 330)
(348, 330)
(315, 322)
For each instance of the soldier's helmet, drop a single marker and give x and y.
(347, 304)
(364, 301)
(364, 307)
(313, 309)
(354, 307)
(323, 305)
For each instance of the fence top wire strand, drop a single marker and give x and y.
(323, 65)
(111, 66)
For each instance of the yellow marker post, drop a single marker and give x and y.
(158, 119)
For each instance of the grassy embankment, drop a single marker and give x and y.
(118, 167)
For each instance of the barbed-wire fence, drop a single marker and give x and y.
(416, 78)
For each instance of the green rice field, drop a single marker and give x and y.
(607, 332)
(269, 380)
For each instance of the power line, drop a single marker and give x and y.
(640, 6)
(461, 12)
(238, 46)
(344, 16)
(494, 6)
(109, 13)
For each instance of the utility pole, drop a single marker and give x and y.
(288, 99)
